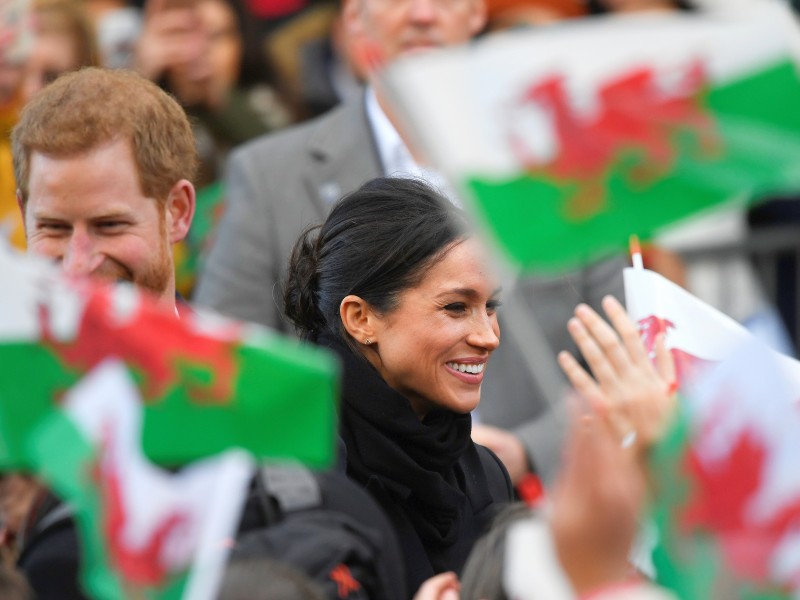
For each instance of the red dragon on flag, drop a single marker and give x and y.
(636, 113)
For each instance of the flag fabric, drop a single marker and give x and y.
(698, 335)
(208, 384)
(565, 141)
(727, 487)
(145, 533)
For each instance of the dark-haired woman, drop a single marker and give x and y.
(392, 284)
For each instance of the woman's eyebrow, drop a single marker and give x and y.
(468, 292)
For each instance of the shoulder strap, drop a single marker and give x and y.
(285, 489)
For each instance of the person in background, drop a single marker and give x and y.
(636, 6)
(53, 37)
(315, 59)
(64, 42)
(393, 285)
(202, 53)
(16, 40)
(510, 14)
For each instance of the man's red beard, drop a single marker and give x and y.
(156, 278)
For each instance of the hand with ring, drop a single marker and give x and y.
(636, 396)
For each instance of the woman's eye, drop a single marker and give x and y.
(456, 307)
(493, 305)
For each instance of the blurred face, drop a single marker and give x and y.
(401, 27)
(213, 73)
(225, 51)
(434, 347)
(88, 212)
(53, 54)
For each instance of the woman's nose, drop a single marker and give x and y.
(485, 332)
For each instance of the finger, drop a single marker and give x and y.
(605, 338)
(595, 355)
(436, 585)
(575, 443)
(583, 383)
(626, 329)
(665, 362)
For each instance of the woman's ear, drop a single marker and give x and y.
(358, 318)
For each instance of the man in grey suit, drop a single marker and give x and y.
(280, 184)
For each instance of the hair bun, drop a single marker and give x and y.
(300, 291)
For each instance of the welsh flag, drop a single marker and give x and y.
(727, 498)
(145, 533)
(208, 384)
(727, 501)
(565, 141)
(698, 335)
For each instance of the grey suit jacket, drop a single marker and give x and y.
(282, 183)
(277, 186)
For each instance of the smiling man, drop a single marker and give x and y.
(103, 160)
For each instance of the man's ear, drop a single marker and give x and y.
(179, 208)
(479, 16)
(352, 18)
(359, 319)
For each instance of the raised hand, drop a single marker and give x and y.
(636, 396)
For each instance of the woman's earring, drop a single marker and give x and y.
(367, 342)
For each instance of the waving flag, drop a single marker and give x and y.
(727, 501)
(208, 384)
(568, 140)
(698, 335)
(727, 506)
(144, 532)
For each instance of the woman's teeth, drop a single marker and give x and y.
(471, 368)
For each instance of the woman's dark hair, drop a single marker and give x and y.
(376, 242)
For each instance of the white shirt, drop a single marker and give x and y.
(394, 154)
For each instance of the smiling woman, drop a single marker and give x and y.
(393, 285)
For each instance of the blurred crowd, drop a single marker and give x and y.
(245, 68)
(240, 68)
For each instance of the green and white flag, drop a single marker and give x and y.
(565, 141)
(208, 384)
(727, 501)
(145, 533)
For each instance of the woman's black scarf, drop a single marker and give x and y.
(414, 461)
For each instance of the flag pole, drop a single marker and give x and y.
(636, 253)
